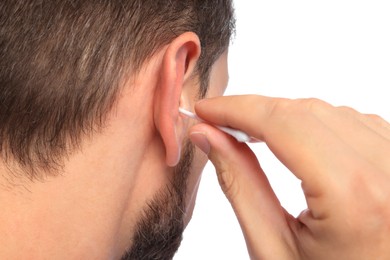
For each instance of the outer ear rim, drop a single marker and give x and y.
(179, 62)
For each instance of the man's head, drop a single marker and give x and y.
(89, 92)
(63, 64)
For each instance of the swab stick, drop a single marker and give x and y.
(239, 135)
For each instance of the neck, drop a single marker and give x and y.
(89, 210)
(81, 213)
(67, 213)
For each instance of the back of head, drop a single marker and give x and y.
(63, 62)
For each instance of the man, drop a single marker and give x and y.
(95, 160)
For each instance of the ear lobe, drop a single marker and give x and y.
(179, 62)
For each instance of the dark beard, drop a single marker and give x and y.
(159, 231)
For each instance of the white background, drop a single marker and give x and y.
(336, 50)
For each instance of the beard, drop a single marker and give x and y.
(160, 229)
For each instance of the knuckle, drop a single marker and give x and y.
(347, 109)
(278, 107)
(227, 182)
(378, 207)
(284, 111)
(288, 107)
(371, 202)
(311, 105)
(376, 118)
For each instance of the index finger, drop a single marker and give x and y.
(296, 133)
(237, 111)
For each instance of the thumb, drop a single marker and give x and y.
(265, 224)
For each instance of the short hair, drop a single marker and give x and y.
(62, 63)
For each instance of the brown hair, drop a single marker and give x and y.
(61, 63)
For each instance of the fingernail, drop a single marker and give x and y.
(200, 140)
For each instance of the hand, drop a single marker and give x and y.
(341, 156)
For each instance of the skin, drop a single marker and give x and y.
(339, 154)
(91, 208)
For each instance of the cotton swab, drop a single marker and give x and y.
(239, 135)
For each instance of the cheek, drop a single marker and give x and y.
(200, 160)
(219, 77)
(215, 92)
(217, 87)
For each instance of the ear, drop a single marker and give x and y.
(178, 65)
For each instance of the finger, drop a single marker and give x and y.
(262, 219)
(374, 122)
(367, 135)
(379, 121)
(300, 140)
(331, 152)
(233, 111)
(292, 133)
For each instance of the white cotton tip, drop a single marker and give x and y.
(240, 136)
